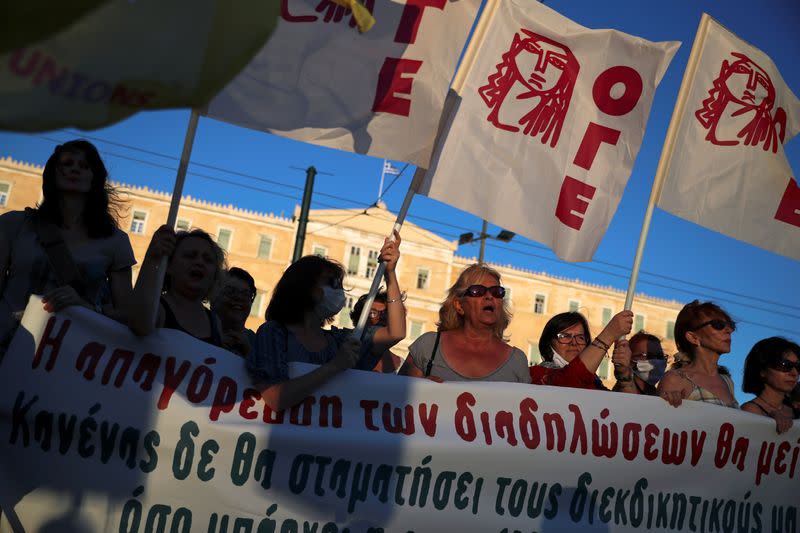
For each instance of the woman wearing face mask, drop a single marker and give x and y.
(469, 345)
(648, 364)
(770, 372)
(87, 260)
(309, 295)
(571, 357)
(194, 270)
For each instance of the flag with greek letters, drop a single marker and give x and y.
(546, 129)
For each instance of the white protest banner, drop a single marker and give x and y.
(379, 93)
(111, 59)
(101, 431)
(727, 169)
(549, 123)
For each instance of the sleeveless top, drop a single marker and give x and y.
(514, 369)
(699, 394)
(171, 322)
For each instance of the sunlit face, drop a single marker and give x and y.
(576, 338)
(718, 341)
(234, 302)
(782, 381)
(193, 266)
(486, 309)
(747, 83)
(540, 64)
(73, 173)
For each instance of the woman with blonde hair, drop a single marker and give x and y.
(469, 344)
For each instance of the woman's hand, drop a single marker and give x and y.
(390, 253)
(783, 423)
(348, 354)
(236, 342)
(673, 397)
(619, 326)
(621, 358)
(162, 244)
(62, 297)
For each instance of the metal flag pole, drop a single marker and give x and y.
(666, 152)
(455, 88)
(177, 192)
(383, 174)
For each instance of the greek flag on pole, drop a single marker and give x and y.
(390, 169)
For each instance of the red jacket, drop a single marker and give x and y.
(575, 375)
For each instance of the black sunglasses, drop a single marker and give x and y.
(476, 291)
(718, 324)
(784, 365)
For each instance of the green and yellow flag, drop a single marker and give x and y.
(96, 62)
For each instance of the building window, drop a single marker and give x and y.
(423, 276)
(372, 264)
(183, 225)
(534, 357)
(538, 304)
(138, 222)
(5, 191)
(670, 330)
(574, 305)
(264, 247)
(320, 251)
(355, 260)
(224, 238)
(255, 308)
(638, 323)
(416, 329)
(606, 316)
(507, 297)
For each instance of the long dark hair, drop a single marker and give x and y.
(103, 205)
(294, 293)
(557, 324)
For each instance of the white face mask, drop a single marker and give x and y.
(332, 302)
(650, 370)
(560, 361)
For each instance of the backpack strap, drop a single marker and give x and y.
(429, 367)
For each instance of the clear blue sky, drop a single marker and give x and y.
(682, 261)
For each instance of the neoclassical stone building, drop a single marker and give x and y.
(262, 244)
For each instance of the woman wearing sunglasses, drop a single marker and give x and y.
(703, 333)
(571, 357)
(308, 296)
(770, 372)
(469, 344)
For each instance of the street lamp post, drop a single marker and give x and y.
(469, 237)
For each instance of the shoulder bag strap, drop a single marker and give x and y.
(433, 355)
(64, 268)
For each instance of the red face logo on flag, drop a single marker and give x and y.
(739, 106)
(532, 87)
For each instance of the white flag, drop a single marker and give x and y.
(379, 93)
(390, 169)
(549, 123)
(727, 169)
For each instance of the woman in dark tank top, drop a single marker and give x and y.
(194, 270)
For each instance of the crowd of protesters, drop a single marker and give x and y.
(70, 251)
